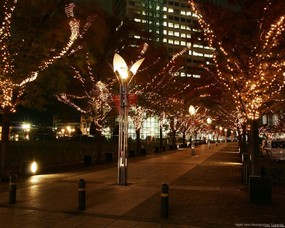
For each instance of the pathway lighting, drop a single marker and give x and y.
(124, 76)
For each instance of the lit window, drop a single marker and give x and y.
(208, 55)
(177, 34)
(183, 43)
(170, 33)
(176, 26)
(198, 46)
(164, 40)
(183, 13)
(176, 42)
(170, 10)
(137, 20)
(170, 25)
(170, 41)
(197, 53)
(183, 35)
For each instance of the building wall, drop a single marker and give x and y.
(171, 23)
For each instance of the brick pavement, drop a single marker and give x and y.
(205, 190)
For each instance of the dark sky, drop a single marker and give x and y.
(107, 5)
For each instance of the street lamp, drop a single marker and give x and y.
(221, 132)
(209, 121)
(124, 76)
(192, 112)
(226, 135)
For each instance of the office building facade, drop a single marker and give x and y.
(171, 23)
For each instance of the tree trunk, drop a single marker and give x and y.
(5, 142)
(255, 164)
(138, 141)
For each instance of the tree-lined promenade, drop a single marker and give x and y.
(64, 50)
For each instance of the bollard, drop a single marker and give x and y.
(81, 194)
(164, 201)
(12, 188)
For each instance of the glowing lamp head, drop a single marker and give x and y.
(123, 73)
(209, 120)
(120, 66)
(192, 110)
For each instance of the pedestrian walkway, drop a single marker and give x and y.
(205, 190)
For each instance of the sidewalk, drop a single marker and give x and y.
(205, 190)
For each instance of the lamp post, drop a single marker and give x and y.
(209, 121)
(221, 132)
(192, 112)
(124, 76)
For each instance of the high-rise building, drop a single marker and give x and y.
(171, 23)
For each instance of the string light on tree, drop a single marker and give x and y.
(11, 91)
(254, 84)
(13, 80)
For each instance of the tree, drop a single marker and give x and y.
(25, 51)
(92, 98)
(248, 46)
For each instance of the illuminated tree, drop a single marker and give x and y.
(138, 115)
(91, 98)
(20, 64)
(248, 46)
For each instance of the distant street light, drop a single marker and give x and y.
(26, 128)
(209, 121)
(192, 112)
(221, 132)
(124, 76)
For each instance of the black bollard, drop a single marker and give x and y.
(164, 201)
(12, 188)
(81, 195)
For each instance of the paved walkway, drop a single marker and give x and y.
(205, 190)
